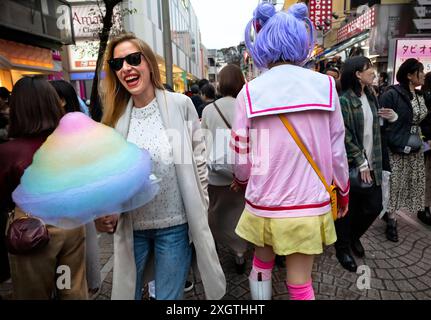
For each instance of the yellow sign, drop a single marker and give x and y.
(288, 3)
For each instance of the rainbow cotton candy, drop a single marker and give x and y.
(83, 171)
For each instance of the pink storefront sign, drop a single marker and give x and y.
(419, 49)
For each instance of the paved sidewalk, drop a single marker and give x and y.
(400, 271)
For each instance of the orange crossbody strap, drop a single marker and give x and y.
(304, 150)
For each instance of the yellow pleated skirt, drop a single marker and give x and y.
(307, 235)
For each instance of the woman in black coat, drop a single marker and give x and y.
(407, 181)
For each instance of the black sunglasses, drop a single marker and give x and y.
(133, 59)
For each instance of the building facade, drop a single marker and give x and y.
(31, 35)
(187, 52)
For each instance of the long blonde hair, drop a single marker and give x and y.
(114, 96)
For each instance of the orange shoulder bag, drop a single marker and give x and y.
(332, 189)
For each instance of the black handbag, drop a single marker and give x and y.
(414, 144)
(26, 234)
(356, 180)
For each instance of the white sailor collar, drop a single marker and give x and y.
(291, 89)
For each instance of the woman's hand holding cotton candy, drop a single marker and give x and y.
(107, 223)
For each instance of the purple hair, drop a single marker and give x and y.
(280, 36)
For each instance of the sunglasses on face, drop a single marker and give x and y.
(133, 59)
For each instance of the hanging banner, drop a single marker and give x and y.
(321, 13)
(364, 22)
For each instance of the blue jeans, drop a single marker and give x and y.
(173, 256)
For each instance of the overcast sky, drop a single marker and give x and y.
(222, 22)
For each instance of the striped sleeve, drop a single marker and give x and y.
(240, 142)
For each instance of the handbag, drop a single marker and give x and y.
(26, 234)
(221, 158)
(356, 181)
(332, 189)
(414, 142)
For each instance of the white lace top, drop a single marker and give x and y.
(166, 209)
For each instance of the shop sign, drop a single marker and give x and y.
(83, 55)
(321, 12)
(423, 12)
(88, 21)
(419, 49)
(422, 24)
(364, 22)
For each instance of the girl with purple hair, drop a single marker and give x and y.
(288, 210)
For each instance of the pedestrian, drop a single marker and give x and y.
(208, 96)
(407, 180)
(4, 95)
(335, 73)
(196, 97)
(35, 111)
(425, 216)
(4, 121)
(288, 208)
(202, 82)
(67, 94)
(139, 108)
(4, 116)
(70, 102)
(382, 83)
(225, 206)
(364, 152)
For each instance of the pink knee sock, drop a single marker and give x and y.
(264, 268)
(301, 291)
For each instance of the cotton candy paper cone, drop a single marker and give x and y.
(83, 171)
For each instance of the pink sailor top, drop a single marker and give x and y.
(280, 181)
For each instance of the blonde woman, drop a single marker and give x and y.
(137, 106)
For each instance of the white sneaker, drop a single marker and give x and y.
(260, 290)
(188, 286)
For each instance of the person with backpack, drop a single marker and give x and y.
(225, 206)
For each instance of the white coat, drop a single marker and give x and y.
(178, 113)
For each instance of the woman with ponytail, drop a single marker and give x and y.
(288, 210)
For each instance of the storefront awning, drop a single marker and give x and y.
(14, 55)
(343, 45)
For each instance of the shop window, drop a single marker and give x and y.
(6, 79)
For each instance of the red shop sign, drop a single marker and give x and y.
(320, 11)
(363, 22)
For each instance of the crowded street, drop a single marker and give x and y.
(247, 150)
(397, 272)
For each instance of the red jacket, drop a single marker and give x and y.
(15, 156)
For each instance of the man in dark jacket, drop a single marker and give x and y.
(196, 98)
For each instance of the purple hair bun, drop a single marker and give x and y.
(263, 12)
(284, 36)
(299, 10)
